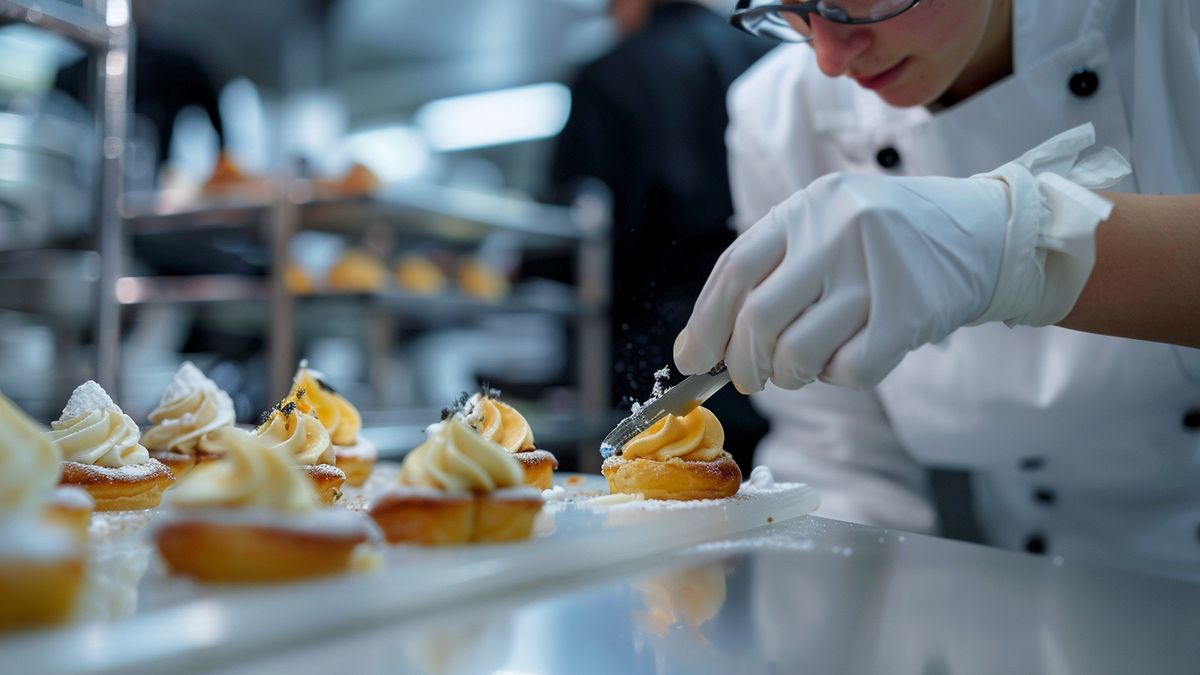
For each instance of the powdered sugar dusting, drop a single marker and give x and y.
(617, 498)
(129, 473)
(554, 494)
(87, 397)
(661, 377)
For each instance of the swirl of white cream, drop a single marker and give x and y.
(192, 406)
(499, 422)
(455, 458)
(303, 435)
(251, 474)
(29, 464)
(93, 430)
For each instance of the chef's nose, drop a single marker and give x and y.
(837, 45)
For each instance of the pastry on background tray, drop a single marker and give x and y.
(479, 280)
(353, 454)
(297, 280)
(457, 487)
(502, 424)
(418, 274)
(676, 458)
(359, 181)
(228, 181)
(305, 439)
(41, 560)
(182, 426)
(101, 453)
(254, 517)
(357, 271)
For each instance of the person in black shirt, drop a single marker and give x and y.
(648, 120)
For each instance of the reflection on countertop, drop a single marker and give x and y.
(821, 596)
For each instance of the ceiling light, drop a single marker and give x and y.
(495, 117)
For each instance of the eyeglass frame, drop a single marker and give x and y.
(804, 10)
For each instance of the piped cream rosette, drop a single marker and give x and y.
(41, 560)
(301, 436)
(457, 487)
(255, 516)
(504, 425)
(192, 408)
(679, 457)
(101, 453)
(353, 454)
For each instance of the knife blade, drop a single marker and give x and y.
(678, 400)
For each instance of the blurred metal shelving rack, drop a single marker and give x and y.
(447, 215)
(102, 29)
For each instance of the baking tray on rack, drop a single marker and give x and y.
(138, 619)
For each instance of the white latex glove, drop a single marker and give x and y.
(845, 277)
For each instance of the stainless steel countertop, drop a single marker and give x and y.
(812, 596)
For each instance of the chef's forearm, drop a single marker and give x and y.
(1146, 282)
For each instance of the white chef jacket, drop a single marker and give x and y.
(1081, 446)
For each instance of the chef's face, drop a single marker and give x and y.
(909, 60)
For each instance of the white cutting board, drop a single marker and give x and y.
(173, 623)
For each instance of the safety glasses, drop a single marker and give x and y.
(789, 22)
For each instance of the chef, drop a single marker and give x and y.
(929, 190)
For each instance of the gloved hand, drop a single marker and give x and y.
(845, 277)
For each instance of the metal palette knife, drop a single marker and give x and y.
(678, 400)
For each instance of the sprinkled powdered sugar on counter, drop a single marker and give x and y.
(743, 495)
(87, 397)
(614, 499)
(555, 494)
(108, 525)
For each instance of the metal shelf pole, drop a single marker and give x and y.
(111, 67)
(280, 333)
(592, 211)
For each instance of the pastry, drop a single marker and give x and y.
(676, 458)
(502, 424)
(228, 181)
(481, 281)
(689, 596)
(420, 275)
(41, 561)
(254, 517)
(101, 453)
(192, 408)
(307, 442)
(353, 454)
(357, 271)
(359, 181)
(297, 280)
(454, 488)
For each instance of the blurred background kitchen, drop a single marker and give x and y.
(415, 196)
